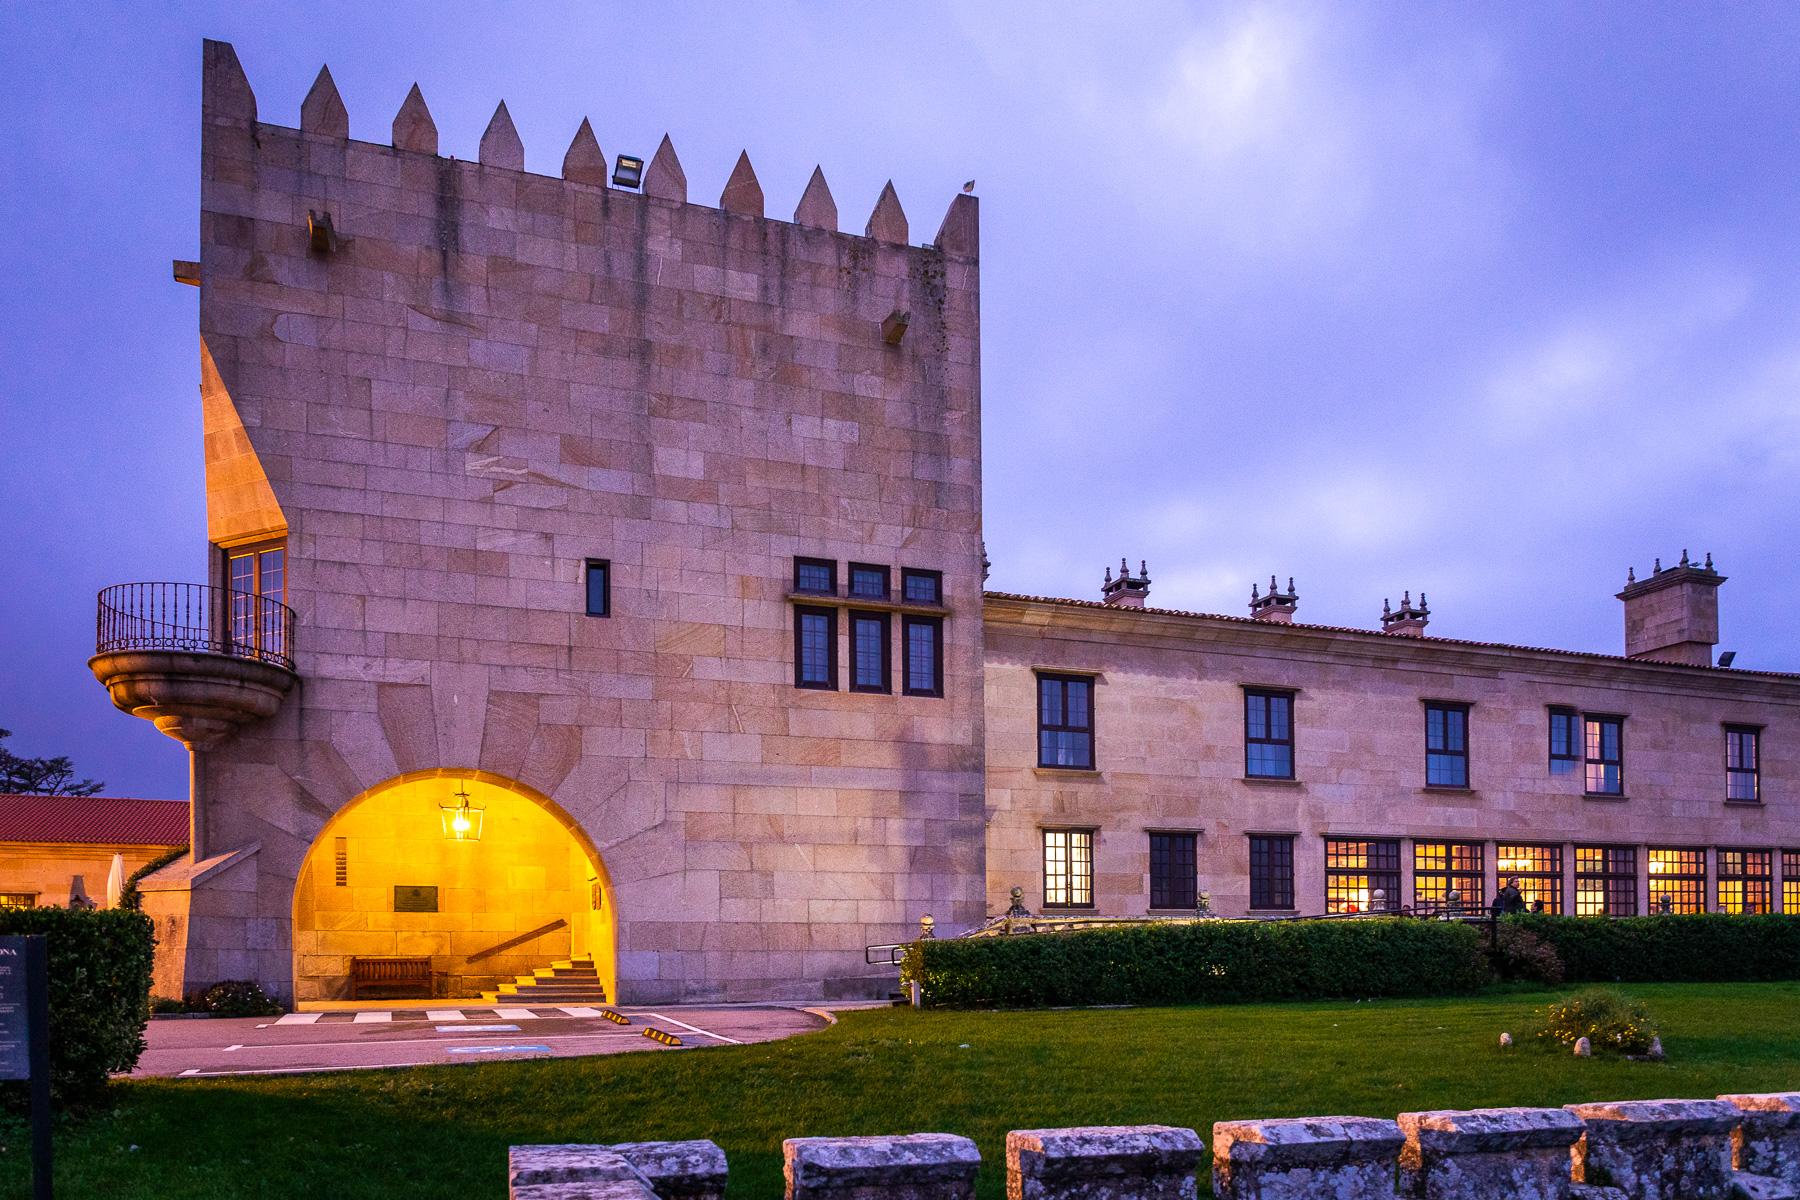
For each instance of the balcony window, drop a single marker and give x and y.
(1271, 870)
(1539, 870)
(815, 648)
(1677, 880)
(1565, 741)
(256, 573)
(1173, 880)
(922, 587)
(1068, 868)
(1746, 881)
(1743, 763)
(1442, 867)
(1066, 721)
(1446, 745)
(815, 576)
(1605, 881)
(1604, 743)
(1268, 734)
(870, 653)
(922, 656)
(1362, 875)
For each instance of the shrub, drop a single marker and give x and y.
(1609, 1019)
(1698, 948)
(236, 998)
(99, 966)
(1202, 962)
(1521, 954)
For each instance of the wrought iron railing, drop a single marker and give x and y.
(194, 617)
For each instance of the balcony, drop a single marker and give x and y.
(197, 661)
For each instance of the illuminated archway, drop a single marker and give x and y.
(510, 885)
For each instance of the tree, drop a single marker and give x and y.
(41, 776)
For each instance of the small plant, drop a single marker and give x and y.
(1521, 954)
(167, 1004)
(1611, 1021)
(237, 998)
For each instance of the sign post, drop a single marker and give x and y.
(25, 1040)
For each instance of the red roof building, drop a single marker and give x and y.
(53, 848)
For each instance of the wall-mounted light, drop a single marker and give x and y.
(462, 820)
(628, 171)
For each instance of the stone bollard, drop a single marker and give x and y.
(573, 1173)
(1767, 1141)
(1346, 1158)
(1657, 1149)
(1103, 1162)
(1521, 1153)
(916, 1166)
(692, 1170)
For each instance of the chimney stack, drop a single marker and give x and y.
(1277, 606)
(1405, 621)
(1673, 615)
(1128, 590)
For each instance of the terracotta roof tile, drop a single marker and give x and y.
(93, 820)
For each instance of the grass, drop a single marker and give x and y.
(443, 1131)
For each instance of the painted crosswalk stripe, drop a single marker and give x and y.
(298, 1018)
(372, 1018)
(478, 1029)
(579, 1010)
(446, 1014)
(515, 1014)
(717, 1037)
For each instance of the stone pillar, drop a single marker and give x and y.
(692, 1170)
(1103, 1162)
(1346, 1158)
(573, 1173)
(1657, 1149)
(916, 1166)
(1767, 1141)
(1522, 1153)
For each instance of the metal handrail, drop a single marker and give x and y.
(194, 617)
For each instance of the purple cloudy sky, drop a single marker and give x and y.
(1486, 300)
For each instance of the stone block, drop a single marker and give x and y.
(1103, 1162)
(1522, 1153)
(573, 1172)
(691, 1170)
(917, 1166)
(1657, 1149)
(1767, 1140)
(1346, 1158)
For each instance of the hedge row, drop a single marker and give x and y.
(1203, 962)
(99, 964)
(1699, 948)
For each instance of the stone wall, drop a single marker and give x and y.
(48, 870)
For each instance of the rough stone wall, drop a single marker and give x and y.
(1169, 750)
(495, 376)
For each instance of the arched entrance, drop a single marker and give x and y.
(487, 885)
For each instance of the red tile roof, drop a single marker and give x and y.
(93, 820)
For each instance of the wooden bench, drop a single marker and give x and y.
(396, 978)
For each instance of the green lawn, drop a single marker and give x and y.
(443, 1131)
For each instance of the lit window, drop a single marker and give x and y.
(1746, 881)
(1068, 868)
(1565, 741)
(870, 664)
(1605, 749)
(922, 662)
(1743, 763)
(1173, 882)
(1442, 867)
(1539, 870)
(867, 582)
(1605, 881)
(922, 587)
(815, 648)
(1268, 734)
(1271, 870)
(18, 899)
(1066, 721)
(599, 588)
(815, 576)
(1790, 881)
(1446, 745)
(1362, 876)
(1677, 881)
(255, 574)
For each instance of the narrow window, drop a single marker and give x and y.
(1565, 741)
(255, 574)
(867, 582)
(922, 664)
(1743, 763)
(815, 648)
(1746, 881)
(922, 587)
(1440, 868)
(1539, 870)
(1605, 748)
(871, 668)
(1068, 868)
(1362, 875)
(815, 576)
(1268, 734)
(1446, 745)
(1173, 882)
(1605, 881)
(599, 588)
(1066, 721)
(1790, 881)
(341, 862)
(1677, 880)
(1271, 870)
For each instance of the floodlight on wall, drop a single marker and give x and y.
(628, 171)
(462, 820)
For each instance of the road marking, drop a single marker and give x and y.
(599, 1035)
(229, 1049)
(580, 1011)
(372, 1018)
(299, 1019)
(478, 1029)
(516, 1014)
(197, 1073)
(446, 1014)
(496, 1049)
(718, 1037)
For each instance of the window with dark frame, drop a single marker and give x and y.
(815, 648)
(1605, 881)
(1604, 743)
(1268, 734)
(815, 576)
(871, 653)
(868, 582)
(1790, 881)
(1539, 870)
(1442, 867)
(1677, 880)
(1356, 869)
(1746, 881)
(1743, 763)
(1174, 882)
(1446, 744)
(599, 587)
(1565, 741)
(1068, 868)
(921, 587)
(922, 655)
(1271, 870)
(253, 572)
(1066, 721)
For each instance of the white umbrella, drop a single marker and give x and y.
(115, 881)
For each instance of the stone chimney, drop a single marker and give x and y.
(1277, 606)
(1127, 590)
(1673, 615)
(1405, 621)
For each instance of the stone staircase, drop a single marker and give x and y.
(571, 981)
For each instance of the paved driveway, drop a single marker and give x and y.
(404, 1037)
